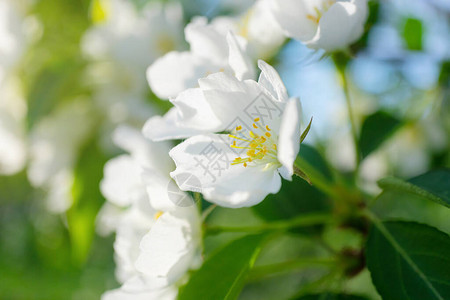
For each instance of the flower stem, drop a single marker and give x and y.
(340, 61)
(300, 221)
(351, 118)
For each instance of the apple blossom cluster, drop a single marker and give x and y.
(241, 132)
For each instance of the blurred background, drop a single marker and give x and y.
(72, 70)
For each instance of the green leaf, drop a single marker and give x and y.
(434, 186)
(223, 275)
(87, 200)
(306, 131)
(376, 128)
(331, 296)
(413, 34)
(409, 261)
(315, 160)
(53, 85)
(297, 197)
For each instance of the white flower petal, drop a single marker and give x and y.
(289, 138)
(122, 184)
(140, 292)
(194, 111)
(106, 221)
(171, 246)
(291, 15)
(207, 40)
(222, 183)
(157, 189)
(178, 71)
(270, 79)
(166, 127)
(238, 60)
(237, 102)
(340, 26)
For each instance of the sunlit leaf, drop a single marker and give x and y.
(87, 200)
(413, 34)
(222, 276)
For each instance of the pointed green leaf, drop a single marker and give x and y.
(223, 275)
(376, 128)
(434, 186)
(409, 260)
(306, 131)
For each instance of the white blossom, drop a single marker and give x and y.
(327, 24)
(212, 48)
(268, 144)
(156, 241)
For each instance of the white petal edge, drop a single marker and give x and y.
(289, 137)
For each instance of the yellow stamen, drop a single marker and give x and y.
(257, 119)
(254, 126)
(158, 214)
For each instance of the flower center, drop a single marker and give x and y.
(261, 148)
(319, 11)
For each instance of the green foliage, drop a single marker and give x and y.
(413, 34)
(55, 84)
(232, 263)
(331, 296)
(297, 197)
(409, 261)
(375, 130)
(434, 186)
(87, 200)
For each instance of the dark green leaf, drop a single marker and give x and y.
(331, 296)
(413, 34)
(223, 275)
(375, 130)
(313, 158)
(297, 197)
(434, 185)
(409, 261)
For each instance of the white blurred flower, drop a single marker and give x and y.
(135, 38)
(261, 30)
(12, 36)
(12, 127)
(54, 144)
(121, 46)
(156, 241)
(327, 24)
(13, 106)
(213, 49)
(264, 143)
